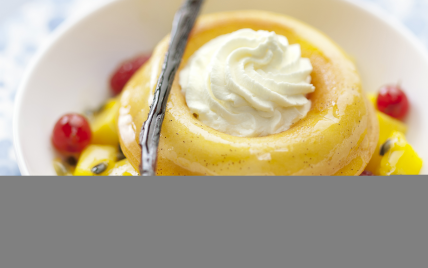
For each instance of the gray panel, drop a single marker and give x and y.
(213, 222)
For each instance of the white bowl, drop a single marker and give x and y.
(71, 73)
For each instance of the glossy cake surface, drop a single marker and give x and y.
(337, 137)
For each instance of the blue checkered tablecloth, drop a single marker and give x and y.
(23, 32)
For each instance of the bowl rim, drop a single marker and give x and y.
(81, 17)
(56, 35)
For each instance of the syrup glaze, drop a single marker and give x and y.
(338, 135)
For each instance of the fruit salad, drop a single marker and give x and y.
(393, 154)
(88, 145)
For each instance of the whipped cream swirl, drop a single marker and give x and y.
(248, 83)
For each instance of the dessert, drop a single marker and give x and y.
(337, 136)
(334, 129)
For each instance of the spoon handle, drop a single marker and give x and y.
(149, 136)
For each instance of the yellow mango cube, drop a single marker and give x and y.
(399, 157)
(104, 125)
(123, 168)
(409, 163)
(96, 160)
(387, 126)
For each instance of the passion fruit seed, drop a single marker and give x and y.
(71, 160)
(100, 168)
(386, 147)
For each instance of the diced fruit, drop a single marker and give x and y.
(103, 125)
(366, 173)
(393, 101)
(387, 126)
(96, 160)
(71, 134)
(125, 72)
(123, 168)
(399, 157)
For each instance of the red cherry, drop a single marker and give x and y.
(366, 173)
(125, 72)
(71, 134)
(393, 101)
